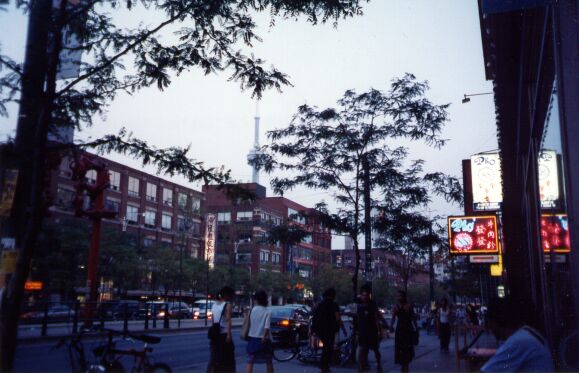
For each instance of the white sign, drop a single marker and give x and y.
(210, 228)
(487, 193)
(548, 179)
(558, 258)
(483, 259)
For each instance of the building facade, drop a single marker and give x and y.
(157, 211)
(242, 232)
(531, 54)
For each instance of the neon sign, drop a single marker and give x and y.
(473, 235)
(487, 193)
(210, 239)
(555, 233)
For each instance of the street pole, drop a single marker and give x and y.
(180, 283)
(431, 268)
(367, 224)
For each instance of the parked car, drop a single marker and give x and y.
(115, 310)
(55, 313)
(288, 322)
(179, 310)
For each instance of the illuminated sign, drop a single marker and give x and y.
(210, 227)
(33, 285)
(555, 233)
(473, 235)
(487, 193)
(548, 179)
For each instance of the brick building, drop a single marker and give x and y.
(242, 229)
(157, 211)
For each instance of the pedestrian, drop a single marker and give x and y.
(443, 318)
(524, 348)
(222, 350)
(406, 329)
(326, 322)
(259, 349)
(368, 330)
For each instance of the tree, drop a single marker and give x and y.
(326, 149)
(332, 277)
(210, 34)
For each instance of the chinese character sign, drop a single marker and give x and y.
(487, 193)
(555, 233)
(473, 235)
(210, 228)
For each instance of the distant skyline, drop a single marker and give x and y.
(436, 41)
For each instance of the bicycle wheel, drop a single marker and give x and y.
(288, 350)
(159, 368)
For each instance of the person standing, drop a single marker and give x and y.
(406, 327)
(326, 323)
(259, 345)
(222, 350)
(443, 317)
(524, 348)
(368, 331)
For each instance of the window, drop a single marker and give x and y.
(263, 256)
(115, 180)
(307, 239)
(132, 214)
(150, 219)
(168, 197)
(166, 222)
(149, 242)
(244, 215)
(275, 258)
(64, 169)
(91, 176)
(182, 200)
(133, 186)
(294, 215)
(195, 204)
(195, 229)
(151, 192)
(181, 224)
(64, 199)
(112, 205)
(223, 217)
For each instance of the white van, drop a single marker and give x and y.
(200, 310)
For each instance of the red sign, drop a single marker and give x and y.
(473, 235)
(555, 233)
(33, 285)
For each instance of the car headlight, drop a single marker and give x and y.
(196, 313)
(162, 313)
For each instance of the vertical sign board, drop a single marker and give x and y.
(555, 235)
(210, 228)
(548, 179)
(8, 192)
(487, 193)
(471, 235)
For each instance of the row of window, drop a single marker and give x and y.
(150, 217)
(264, 257)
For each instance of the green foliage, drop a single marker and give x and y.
(327, 277)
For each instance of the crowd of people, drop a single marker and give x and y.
(524, 349)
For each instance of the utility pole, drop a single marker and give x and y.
(367, 224)
(431, 266)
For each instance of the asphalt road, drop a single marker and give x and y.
(182, 352)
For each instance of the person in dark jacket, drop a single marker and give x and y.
(326, 323)
(222, 350)
(369, 318)
(405, 329)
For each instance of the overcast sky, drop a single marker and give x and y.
(438, 41)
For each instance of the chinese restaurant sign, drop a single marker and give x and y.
(555, 233)
(548, 179)
(210, 229)
(473, 235)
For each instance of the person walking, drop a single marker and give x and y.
(222, 350)
(259, 349)
(404, 338)
(326, 322)
(368, 329)
(443, 317)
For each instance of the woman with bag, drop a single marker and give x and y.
(222, 350)
(259, 349)
(406, 336)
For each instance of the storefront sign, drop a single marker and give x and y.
(33, 285)
(497, 269)
(210, 228)
(548, 179)
(555, 233)
(487, 193)
(469, 235)
(483, 259)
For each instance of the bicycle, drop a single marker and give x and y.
(111, 356)
(77, 356)
(310, 350)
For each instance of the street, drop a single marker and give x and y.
(189, 352)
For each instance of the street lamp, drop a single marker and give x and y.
(467, 99)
